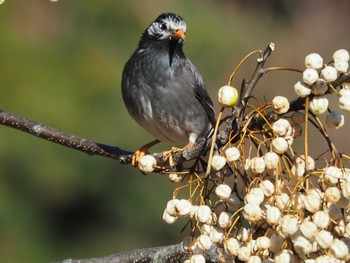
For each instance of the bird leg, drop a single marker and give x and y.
(141, 152)
(169, 154)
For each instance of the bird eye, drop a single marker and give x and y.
(163, 26)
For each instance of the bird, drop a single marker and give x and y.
(163, 91)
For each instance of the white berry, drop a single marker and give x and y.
(218, 162)
(289, 224)
(170, 206)
(284, 256)
(232, 154)
(183, 207)
(147, 163)
(268, 187)
(324, 239)
(282, 127)
(282, 200)
(308, 229)
(302, 245)
(332, 194)
(176, 177)
(344, 101)
(329, 73)
(169, 218)
(339, 249)
(301, 89)
(258, 165)
(341, 54)
(231, 246)
(258, 194)
(321, 219)
(216, 235)
(197, 258)
(319, 105)
(341, 66)
(279, 145)
(332, 175)
(203, 213)
(345, 187)
(271, 160)
(223, 191)
(312, 202)
(344, 92)
(280, 104)
(310, 76)
(263, 243)
(314, 61)
(252, 212)
(243, 254)
(254, 259)
(225, 220)
(273, 215)
(204, 242)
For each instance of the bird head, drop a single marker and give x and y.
(167, 26)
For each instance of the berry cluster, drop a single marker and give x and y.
(264, 201)
(317, 80)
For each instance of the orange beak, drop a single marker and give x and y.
(179, 34)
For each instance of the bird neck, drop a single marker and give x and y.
(169, 49)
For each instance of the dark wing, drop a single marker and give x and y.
(201, 92)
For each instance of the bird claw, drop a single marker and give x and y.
(169, 154)
(137, 156)
(141, 152)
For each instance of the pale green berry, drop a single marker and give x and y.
(227, 96)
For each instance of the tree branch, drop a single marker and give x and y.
(171, 253)
(80, 144)
(89, 147)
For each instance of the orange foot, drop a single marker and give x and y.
(141, 152)
(169, 154)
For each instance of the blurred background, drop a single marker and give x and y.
(61, 64)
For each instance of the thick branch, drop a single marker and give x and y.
(171, 253)
(80, 144)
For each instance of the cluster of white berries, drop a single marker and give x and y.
(277, 206)
(279, 218)
(316, 82)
